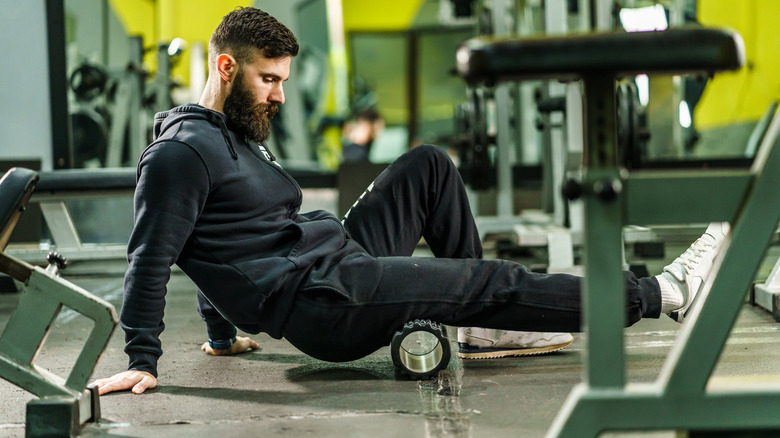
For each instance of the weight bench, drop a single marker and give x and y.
(63, 404)
(683, 397)
(57, 187)
(54, 189)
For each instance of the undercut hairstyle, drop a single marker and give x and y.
(244, 31)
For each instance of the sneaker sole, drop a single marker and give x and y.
(494, 354)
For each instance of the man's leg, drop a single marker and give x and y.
(350, 307)
(422, 194)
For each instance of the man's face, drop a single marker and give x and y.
(255, 96)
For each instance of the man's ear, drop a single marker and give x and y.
(227, 67)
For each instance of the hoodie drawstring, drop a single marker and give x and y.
(226, 134)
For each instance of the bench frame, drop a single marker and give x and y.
(684, 397)
(63, 404)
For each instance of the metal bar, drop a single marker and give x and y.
(28, 326)
(692, 201)
(60, 224)
(29, 379)
(17, 269)
(504, 155)
(55, 289)
(693, 358)
(62, 149)
(603, 293)
(645, 407)
(412, 86)
(135, 115)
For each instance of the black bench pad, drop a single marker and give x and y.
(16, 186)
(67, 180)
(673, 51)
(96, 180)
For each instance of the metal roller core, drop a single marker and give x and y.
(420, 349)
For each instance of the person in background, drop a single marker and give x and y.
(359, 135)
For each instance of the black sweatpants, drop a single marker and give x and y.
(352, 304)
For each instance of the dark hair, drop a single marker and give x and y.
(368, 114)
(247, 29)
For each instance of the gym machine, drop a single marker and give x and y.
(683, 397)
(63, 404)
(508, 122)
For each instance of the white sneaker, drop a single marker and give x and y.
(480, 343)
(688, 272)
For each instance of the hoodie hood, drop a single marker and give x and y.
(166, 119)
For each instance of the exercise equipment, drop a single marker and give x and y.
(420, 349)
(683, 397)
(63, 404)
(56, 188)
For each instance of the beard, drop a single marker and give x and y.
(250, 119)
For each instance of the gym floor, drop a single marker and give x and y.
(278, 391)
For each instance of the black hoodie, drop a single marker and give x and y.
(227, 214)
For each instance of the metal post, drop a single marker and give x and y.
(137, 119)
(504, 139)
(604, 287)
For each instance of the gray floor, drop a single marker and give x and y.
(278, 391)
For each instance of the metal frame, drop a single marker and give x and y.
(683, 396)
(64, 404)
(24, 335)
(62, 150)
(767, 294)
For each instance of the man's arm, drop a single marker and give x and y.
(217, 327)
(173, 185)
(221, 332)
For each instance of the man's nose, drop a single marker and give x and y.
(277, 95)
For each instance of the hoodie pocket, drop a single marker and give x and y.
(317, 239)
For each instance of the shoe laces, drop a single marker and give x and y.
(691, 258)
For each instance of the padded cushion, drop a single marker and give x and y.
(75, 180)
(87, 179)
(16, 186)
(673, 51)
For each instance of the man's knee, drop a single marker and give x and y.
(428, 155)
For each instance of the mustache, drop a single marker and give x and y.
(271, 108)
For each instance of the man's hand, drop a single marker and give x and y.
(138, 381)
(241, 345)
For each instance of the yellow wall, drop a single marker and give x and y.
(195, 20)
(743, 95)
(379, 15)
(163, 20)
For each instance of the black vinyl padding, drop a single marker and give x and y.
(16, 186)
(673, 51)
(87, 179)
(75, 180)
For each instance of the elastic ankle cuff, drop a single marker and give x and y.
(671, 298)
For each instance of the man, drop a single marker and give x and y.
(359, 135)
(212, 199)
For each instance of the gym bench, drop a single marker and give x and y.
(683, 397)
(63, 404)
(57, 187)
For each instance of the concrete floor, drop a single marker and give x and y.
(278, 391)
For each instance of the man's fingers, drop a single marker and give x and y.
(145, 383)
(205, 346)
(104, 386)
(126, 380)
(254, 344)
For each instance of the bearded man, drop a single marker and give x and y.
(212, 199)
